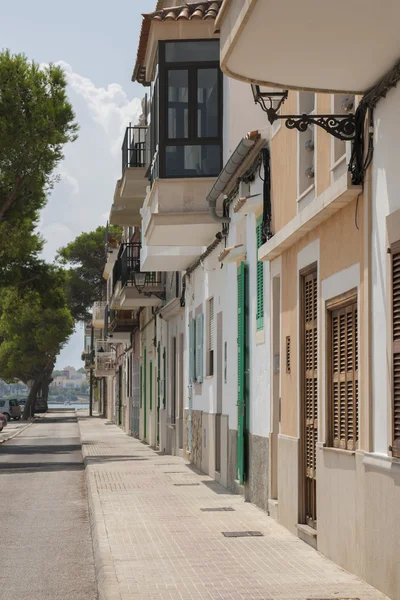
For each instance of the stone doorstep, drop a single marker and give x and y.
(273, 507)
(307, 534)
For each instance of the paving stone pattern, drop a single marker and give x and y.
(153, 541)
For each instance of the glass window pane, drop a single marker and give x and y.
(207, 103)
(192, 51)
(193, 161)
(178, 104)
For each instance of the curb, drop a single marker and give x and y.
(106, 576)
(19, 431)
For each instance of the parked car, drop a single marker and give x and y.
(40, 405)
(3, 421)
(22, 402)
(10, 408)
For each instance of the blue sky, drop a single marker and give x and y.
(96, 42)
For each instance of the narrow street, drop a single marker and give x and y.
(46, 547)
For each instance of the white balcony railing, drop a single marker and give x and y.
(105, 359)
(98, 314)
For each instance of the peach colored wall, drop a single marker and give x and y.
(284, 170)
(284, 163)
(341, 245)
(323, 146)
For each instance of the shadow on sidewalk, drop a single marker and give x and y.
(106, 458)
(39, 467)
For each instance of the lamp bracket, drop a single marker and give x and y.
(341, 127)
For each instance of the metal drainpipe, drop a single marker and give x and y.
(229, 170)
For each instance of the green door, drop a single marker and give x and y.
(243, 395)
(144, 394)
(120, 396)
(158, 390)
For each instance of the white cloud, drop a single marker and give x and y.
(109, 107)
(82, 199)
(66, 177)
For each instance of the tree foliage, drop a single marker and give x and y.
(85, 257)
(36, 121)
(35, 323)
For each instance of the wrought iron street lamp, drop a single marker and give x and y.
(342, 127)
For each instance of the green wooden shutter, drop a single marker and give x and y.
(141, 386)
(260, 277)
(241, 369)
(151, 384)
(165, 377)
(199, 353)
(158, 374)
(191, 351)
(144, 394)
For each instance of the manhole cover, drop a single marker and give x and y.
(236, 534)
(218, 509)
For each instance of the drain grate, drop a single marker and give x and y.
(218, 509)
(181, 472)
(236, 534)
(185, 484)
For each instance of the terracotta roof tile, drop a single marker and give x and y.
(204, 10)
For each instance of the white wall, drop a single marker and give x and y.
(385, 201)
(241, 115)
(259, 340)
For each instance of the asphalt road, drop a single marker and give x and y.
(45, 542)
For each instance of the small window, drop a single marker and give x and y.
(288, 354)
(2, 402)
(192, 51)
(260, 277)
(210, 337)
(344, 377)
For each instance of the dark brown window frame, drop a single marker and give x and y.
(332, 305)
(192, 139)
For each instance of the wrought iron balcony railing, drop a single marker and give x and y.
(127, 272)
(134, 147)
(123, 320)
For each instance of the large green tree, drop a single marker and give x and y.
(85, 258)
(35, 323)
(36, 121)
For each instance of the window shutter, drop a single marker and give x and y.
(260, 277)
(345, 377)
(199, 353)
(396, 352)
(211, 332)
(191, 350)
(141, 386)
(158, 374)
(165, 377)
(151, 383)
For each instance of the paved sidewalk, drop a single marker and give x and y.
(153, 541)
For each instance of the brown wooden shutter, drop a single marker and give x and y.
(396, 352)
(344, 378)
(311, 392)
